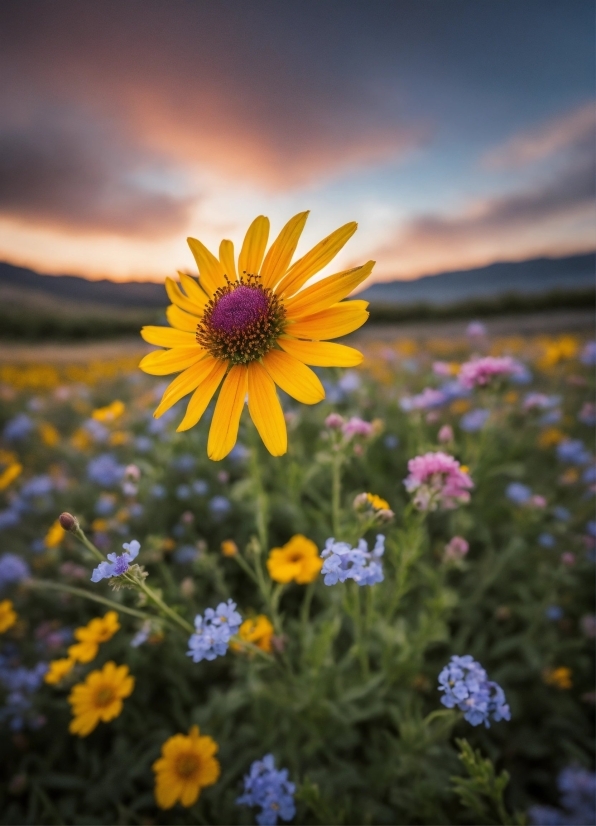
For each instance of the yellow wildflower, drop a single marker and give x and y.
(252, 325)
(297, 560)
(229, 547)
(257, 630)
(55, 535)
(460, 406)
(377, 503)
(511, 397)
(570, 476)
(58, 670)
(49, 435)
(90, 636)
(8, 616)
(187, 764)
(12, 472)
(80, 439)
(550, 437)
(118, 437)
(109, 413)
(99, 524)
(99, 698)
(558, 677)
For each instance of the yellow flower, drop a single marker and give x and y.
(110, 413)
(49, 435)
(58, 670)
(252, 326)
(185, 767)
(377, 503)
(229, 547)
(55, 535)
(297, 560)
(118, 437)
(99, 698)
(90, 636)
(8, 476)
(257, 630)
(559, 677)
(460, 406)
(550, 437)
(8, 616)
(80, 439)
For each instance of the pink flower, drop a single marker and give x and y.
(438, 481)
(568, 558)
(480, 372)
(537, 501)
(441, 368)
(334, 421)
(357, 427)
(445, 434)
(456, 549)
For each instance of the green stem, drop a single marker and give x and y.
(306, 603)
(261, 498)
(79, 592)
(80, 534)
(165, 609)
(336, 494)
(359, 632)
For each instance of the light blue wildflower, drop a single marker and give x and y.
(573, 451)
(219, 506)
(562, 513)
(269, 788)
(104, 470)
(214, 631)
(577, 787)
(18, 428)
(12, 569)
(518, 493)
(474, 420)
(588, 355)
(547, 540)
(554, 613)
(466, 686)
(200, 487)
(98, 432)
(117, 565)
(342, 562)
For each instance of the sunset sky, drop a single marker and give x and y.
(455, 132)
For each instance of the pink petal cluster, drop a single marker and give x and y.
(456, 549)
(480, 372)
(437, 480)
(358, 427)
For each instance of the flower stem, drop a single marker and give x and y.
(336, 493)
(165, 609)
(80, 592)
(81, 536)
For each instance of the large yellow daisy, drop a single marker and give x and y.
(252, 326)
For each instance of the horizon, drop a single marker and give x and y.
(456, 140)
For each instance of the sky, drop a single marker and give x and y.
(455, 132)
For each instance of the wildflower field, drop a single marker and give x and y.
(391, 623)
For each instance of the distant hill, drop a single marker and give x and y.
(538, 275)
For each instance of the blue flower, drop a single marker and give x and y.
(9, 518)
(184, 463)
(104, 470)
(219, 506)
(37, 486)
(269, 788)
(547, 540)
(577, 787)
(20, 683)
(562, 513)
(588, 356)
(214, 631)
(105, 504)
(467, 686)
(18, 428)
(143, 444)
(518, 493)
(573, 451)
(200, 487)
(97, 431)
(117, 565)
(183, 492)
(342, 562)
(591, 528)
(185, 554)
(474, 420)
(390, 441)
(158, 491)
(554, 613)
(12, 569)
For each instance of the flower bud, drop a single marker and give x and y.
(445, 434)
(334, 421)
(68, 522)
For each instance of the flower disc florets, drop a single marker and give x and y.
(242, 321)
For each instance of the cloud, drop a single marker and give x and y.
(571, 132)
(65, 172)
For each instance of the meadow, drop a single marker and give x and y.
(338, 666)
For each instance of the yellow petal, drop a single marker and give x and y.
(328, 291)
(178, 298)
(192, 290)
(163, 362)
(226, 258)
(314, 261)
(321, 353)
(210, 270)
(181, 320)
(281, 250)
(294, 377)
(253, 248)
(338, 320)
(226, 416)
(200, 399)
(183, 384)
(167, 337)
(265, 410)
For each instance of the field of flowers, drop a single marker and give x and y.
(392, 623)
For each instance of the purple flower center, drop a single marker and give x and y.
(237, 310)
(120, 565)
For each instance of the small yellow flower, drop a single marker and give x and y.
(187, 764)
(58, 670)
(297, 560)
(550, 437)
(12, 472)
(570, 477)
(110, 413)
(99, 525)
(8, 616)
(559, 677)
(377, 503)
(229, 547)
(257, 630)
(99, 698)
(90, 636)
(80, 439)
(118, 437)
(511, 397)
(49, 435)
(460, 406)
(55, 535)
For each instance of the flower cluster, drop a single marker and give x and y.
(214, 631)
(20, 683)
(437, 480)
(467, 686)
(269, 788)
(481, 372)
(522, 495)
(573, 451)
(577, 788)
(369, 505)
(92, 635)
(117, 565)
(12, 569)
(342, 562)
